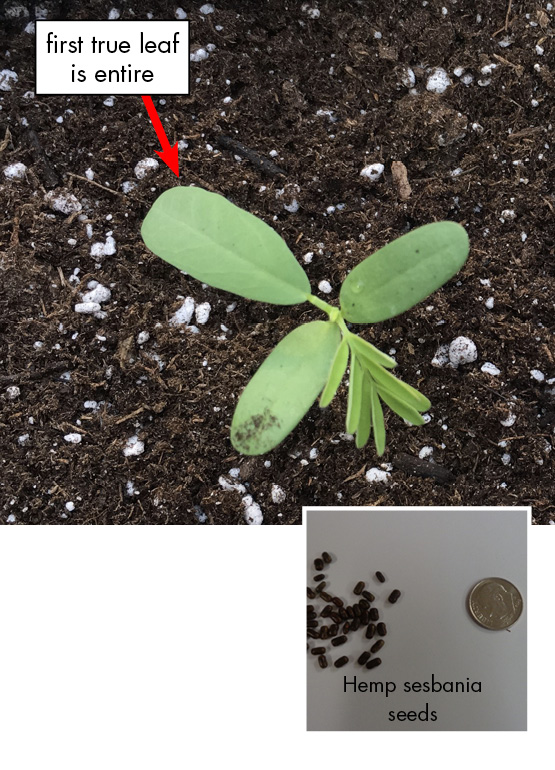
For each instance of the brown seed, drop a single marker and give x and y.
(310, 615)
(393, 596)
(310, 593)
(355, 624)
(326, 612)
(374, 614)
(373, 663)
(346, 627)
(363, 658)
(333, 630)
(356, 610)
(323, 661)
(369, 596)
(312, 624)
(350, 612)
(338, 640)
(382, 629)
(326, 557)
(370, 631)
(343, 613)
(319, 577)
(341, 661)
(336, 617)
(324, 632)
(320, 587)
(312, 633)
(380, 577)
(337, 601)
(364, 604)
(318, 565)
(359, 588)
(377, 645)
(318, 650)
(364, 617)
(325, 596)
(310, 608)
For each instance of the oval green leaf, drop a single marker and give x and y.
(220, 244)
(404, 272)
(337, 371)
(284, 387)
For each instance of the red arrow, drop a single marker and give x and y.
(168, 154)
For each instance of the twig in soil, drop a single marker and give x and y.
(96, 184)
(400, 180)
(265, 165)
(6, 140)
(416, 467)
(51, 178)
(61, 366)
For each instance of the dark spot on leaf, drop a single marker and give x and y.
(251, 430)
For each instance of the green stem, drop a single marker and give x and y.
(321, 305)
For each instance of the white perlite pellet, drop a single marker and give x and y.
(426, 452)
(202, 312)
(15, 172)
(206, 9)
(462, 351)
(107, 249)
(376, 475)
(535, 374)
(278, 495)
(133, 447)
(489, 368)
(87, 308)
(185, 312)
(373, 172)
(70, 506)
(97, 293)
(438, 81)
(7, 79)
(142, 337)
(199, 55)
(441, 356)
(13, 392)
(73, 438)
(509, 421)
(253, 512)
(63, 202)
(324, 287)
(145, 167)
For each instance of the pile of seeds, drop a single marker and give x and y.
(336, 619)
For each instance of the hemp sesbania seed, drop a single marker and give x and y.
(346, 618)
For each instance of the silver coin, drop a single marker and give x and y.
(495, 603)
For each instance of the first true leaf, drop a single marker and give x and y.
(220, 244)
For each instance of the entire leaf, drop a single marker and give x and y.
(404, 272)
(284, 387)
(367, 350)
(377, 420)
(401, 407)
(399, 389)
(354, 396)
(365, 420)
(337, 371)
(220, 244)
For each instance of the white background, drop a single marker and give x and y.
(170, 71)
(164, 647)
(435, 557)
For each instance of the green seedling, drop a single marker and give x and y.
(218, 243)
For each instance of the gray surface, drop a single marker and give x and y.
(434, 558)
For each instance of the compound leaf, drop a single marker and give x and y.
(365, 420)
(284, 387)
(404, 272)
(367, 350)
(218, 243)
(354, 396)
(336, 374)
(377, 420)
(401, 407)
(398, 388)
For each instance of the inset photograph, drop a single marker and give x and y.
(416, 618)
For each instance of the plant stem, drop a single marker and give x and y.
(321, 305)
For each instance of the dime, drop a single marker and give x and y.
(495, 603)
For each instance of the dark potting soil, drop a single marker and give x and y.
(319, 98)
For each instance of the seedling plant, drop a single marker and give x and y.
(214, 241)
